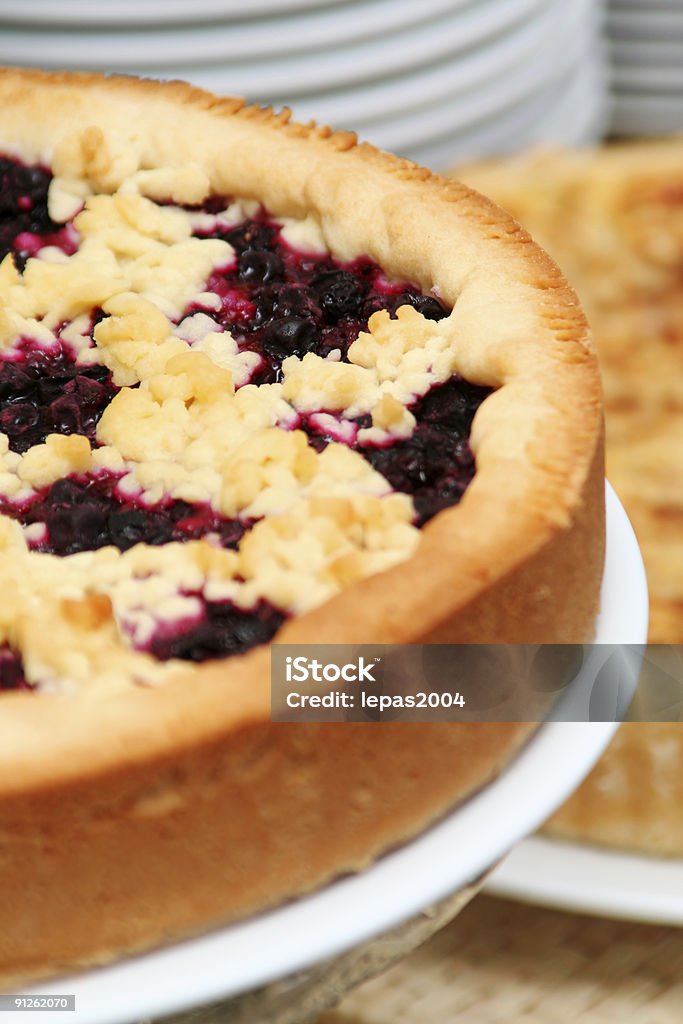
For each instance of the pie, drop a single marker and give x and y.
(248, 371)
(613, 218)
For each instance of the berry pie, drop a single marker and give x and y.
(257, 383)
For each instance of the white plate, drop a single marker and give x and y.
(648, 24)
(591, 880)
(364, 61)
(334, 31)
(581, 113)
(506, 132)
(646, 115)
(636, 54)
(645, 5)
(574, 112)
(234, 42)
(460, 111)
(647, 78)
(82, 13)
(401, 884)
(430, 85)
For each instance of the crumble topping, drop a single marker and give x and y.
(221, 398)
(304, 234)
(70, 615)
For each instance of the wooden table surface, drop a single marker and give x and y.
(501, 962)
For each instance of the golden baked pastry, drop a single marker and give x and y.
(613, 219)
(240, 362)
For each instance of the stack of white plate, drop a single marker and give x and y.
(437, 81)
(646, 47)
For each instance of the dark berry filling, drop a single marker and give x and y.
(280, 302)
(12, 671)
(222, 630)
(25, 224)
(435, 464)
(84, 513)
(46, 392)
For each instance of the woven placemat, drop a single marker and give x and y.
(501, 962)
(299, 998)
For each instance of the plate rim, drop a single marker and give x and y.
(518, 878)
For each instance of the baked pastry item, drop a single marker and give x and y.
(613, 218)
(242, 444)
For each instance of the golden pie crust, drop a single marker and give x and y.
(152, 813)
(613, 219)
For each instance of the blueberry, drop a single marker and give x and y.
(12, 671)
(255, 266)
(21, 257)
(445, 407)
(35, 179)
(265, 301)
(341, 294)
(296, 300)
(127, 528)
(231, 532)
(429, 307)
(274, 302)
(374, 303)
(159, 528)
(65, 493)
(289, 336)
(48, 389)
(80, 527)
(89, 392)
(91, 398)
(14, 382)
(251, 235)
(181, 510)
(18, 418)
(65, 415)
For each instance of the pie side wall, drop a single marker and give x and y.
(118, 864)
